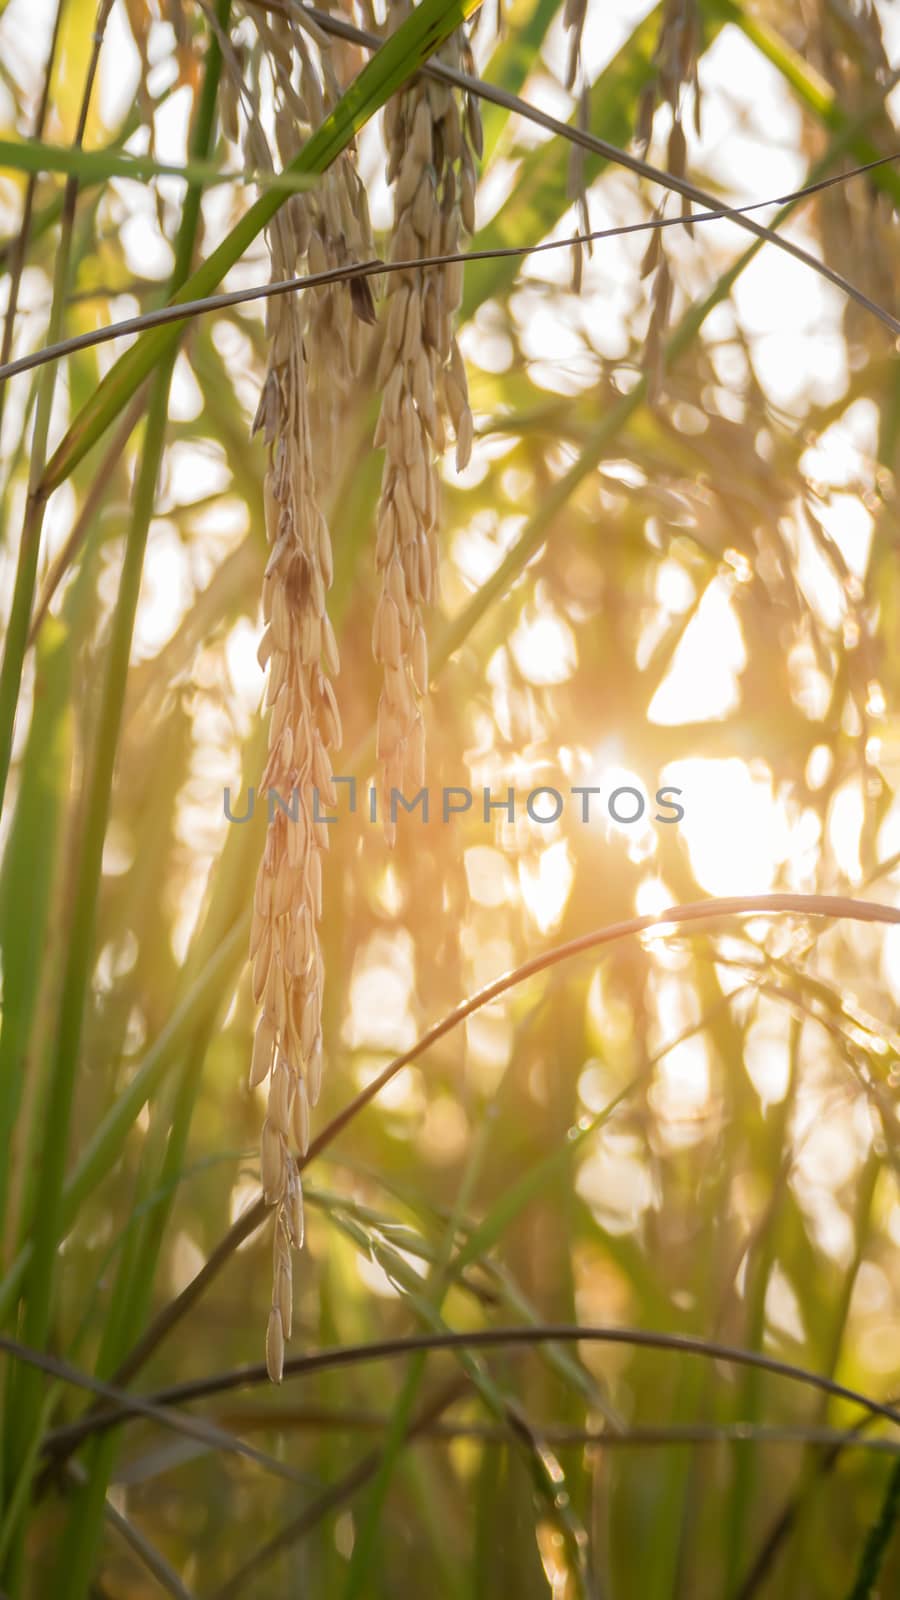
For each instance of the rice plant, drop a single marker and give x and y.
(449, 732)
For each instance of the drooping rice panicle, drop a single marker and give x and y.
(327, 227)
(433, 138)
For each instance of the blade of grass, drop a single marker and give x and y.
(97, 166)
